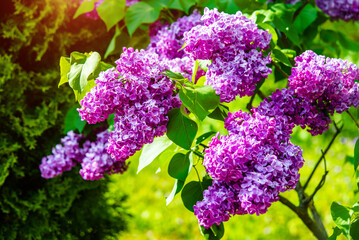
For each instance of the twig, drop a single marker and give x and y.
(203, 145)
(302, 213)
(356, 122)
(322, 156)
(288, 204)
(321, 183)
(261, 95)
(280, 70)
(250, 103)
(198, 154)
(199, 179)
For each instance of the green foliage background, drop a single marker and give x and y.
(32, 110)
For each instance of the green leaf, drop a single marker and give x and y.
(111, 12)
(114, 46)
(220, 113)
(200, 101)
(65, 67)
(354, 229)
(356, 155)
(82, 69)
(180, 166)
(278, 56)
(341, 217)
(289, 53)
(204, 137)
(176, 189)
(328, 35)
(80, 95)
(138, 13)
(336, 233)
(305, 18)
(183, 5)
(204, 64)
(73, 121)
(180, 129)
(200, 82)
(348, 44)
(191, 194)
(283, 19)
(152, 150)
(173, 75)
(111, 122)
(215, 232)
(355, 207)
(86, 6)
(271, 30)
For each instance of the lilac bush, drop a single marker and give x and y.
(256, 161)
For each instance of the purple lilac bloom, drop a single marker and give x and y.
(167, 40)
(327, 83)
(92, 156)
(97, 161)
(64, 157)
(231, 42)
(294, 111)
(340, 9)
(139, 96)
(238, 76)
(250, 167)
(250, 140)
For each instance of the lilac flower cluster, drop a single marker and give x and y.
(327, 82)
(319, 86)
(97, 161)
(167, 40)
(294, 111)
(340, 9)
(63, 158)
(231, 42)
(139, 96)
(92, 156)
(250, 167)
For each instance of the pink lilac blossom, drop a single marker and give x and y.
(340, 9)
(250, 167)
(232, 42)
(327, 83)
(138, 94)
